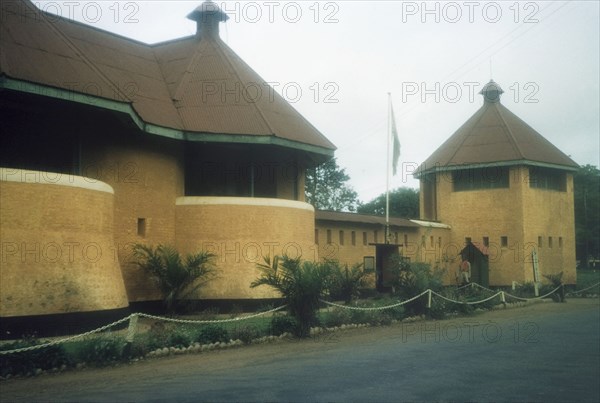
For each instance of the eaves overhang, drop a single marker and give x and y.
(8, 83)
(449, 168)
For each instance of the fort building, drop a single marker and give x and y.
(107, 142)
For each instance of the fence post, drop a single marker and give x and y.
(429, 298)
(133, 319)
(503, 298)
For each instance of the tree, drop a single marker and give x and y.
(177, 278)
(404, 202)
(326, 188)
(587, 213)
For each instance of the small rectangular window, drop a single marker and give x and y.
(549, 241)
(439, 242)
(365, 240)
(405, 240)
(431, 241)
(486, 241)
(467, 240)
(141, 226)
(329, 236)
(353, 236)
(317, 236)
(560, 242)
(341, 237)
(504, 241)
(375, 236)
(540, 242)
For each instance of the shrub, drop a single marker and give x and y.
(345, 283)
(246, 333)
(27, 362)
(212, 334)
(410, 279)
(179, 338)
(302, 285)
(283, 324)
(100, 351)
(337, 317)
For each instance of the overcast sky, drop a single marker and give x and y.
(336, 61)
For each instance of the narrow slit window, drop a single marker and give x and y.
(341, 237)
(141, 226)
(317, 236)
(550, 241)
(353, 238)
(540, 242)
(504, 241)
(328, 236)
(560, 242)
(365, 240)
(486, 241)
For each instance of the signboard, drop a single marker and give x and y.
(536, 268)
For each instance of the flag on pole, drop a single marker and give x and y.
(396, 146)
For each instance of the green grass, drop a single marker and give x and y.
(586, 278)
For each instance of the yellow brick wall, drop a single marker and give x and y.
(421, 244)
(550, 214)
(240, 231)
(147, 175)
(491, 213)
(519, 213)
(57, 252)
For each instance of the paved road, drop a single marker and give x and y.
(545, 352)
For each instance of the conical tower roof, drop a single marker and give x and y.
(194, 88)
(495, 136)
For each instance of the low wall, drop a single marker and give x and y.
(241, 231)
(57, 246)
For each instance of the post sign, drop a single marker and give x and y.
(536, 268)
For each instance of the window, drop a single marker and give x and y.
(328, 236)
(486, 241)
(540, 241)
(439, 242)
(353, 238)
(405, 240)
(375, 236)
(369, 263)
(480, 178)
(560, 242)
(504, 241)
(467, 240)
(547, 178)
(341, 237)
(431, 241)
(365, 240)
(141, 226)
(549, 241)
(317, 236)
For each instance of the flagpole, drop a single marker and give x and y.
(387, 176)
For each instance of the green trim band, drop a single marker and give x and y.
(127, 108)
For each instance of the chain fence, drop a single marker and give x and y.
(134, 316)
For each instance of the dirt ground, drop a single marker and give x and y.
(170, 367)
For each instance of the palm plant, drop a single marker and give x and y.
(345, 282)
(176, 277)
(302, 285)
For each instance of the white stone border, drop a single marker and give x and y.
(53, 178)
(242, 201)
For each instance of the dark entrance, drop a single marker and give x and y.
(479, 260)
(386, 256)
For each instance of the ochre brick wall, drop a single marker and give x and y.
(58, 252)
(240, 231)
(520, 214)
(549, 218)
(147, 176)
(420, 244)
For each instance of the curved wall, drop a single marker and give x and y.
(57, 245)
(240, 231)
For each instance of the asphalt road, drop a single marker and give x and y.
(544, 352)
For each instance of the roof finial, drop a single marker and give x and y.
(491, 92)
(208, 15)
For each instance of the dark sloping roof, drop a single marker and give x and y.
(323, 215)
(169, 85)
(495, 135)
